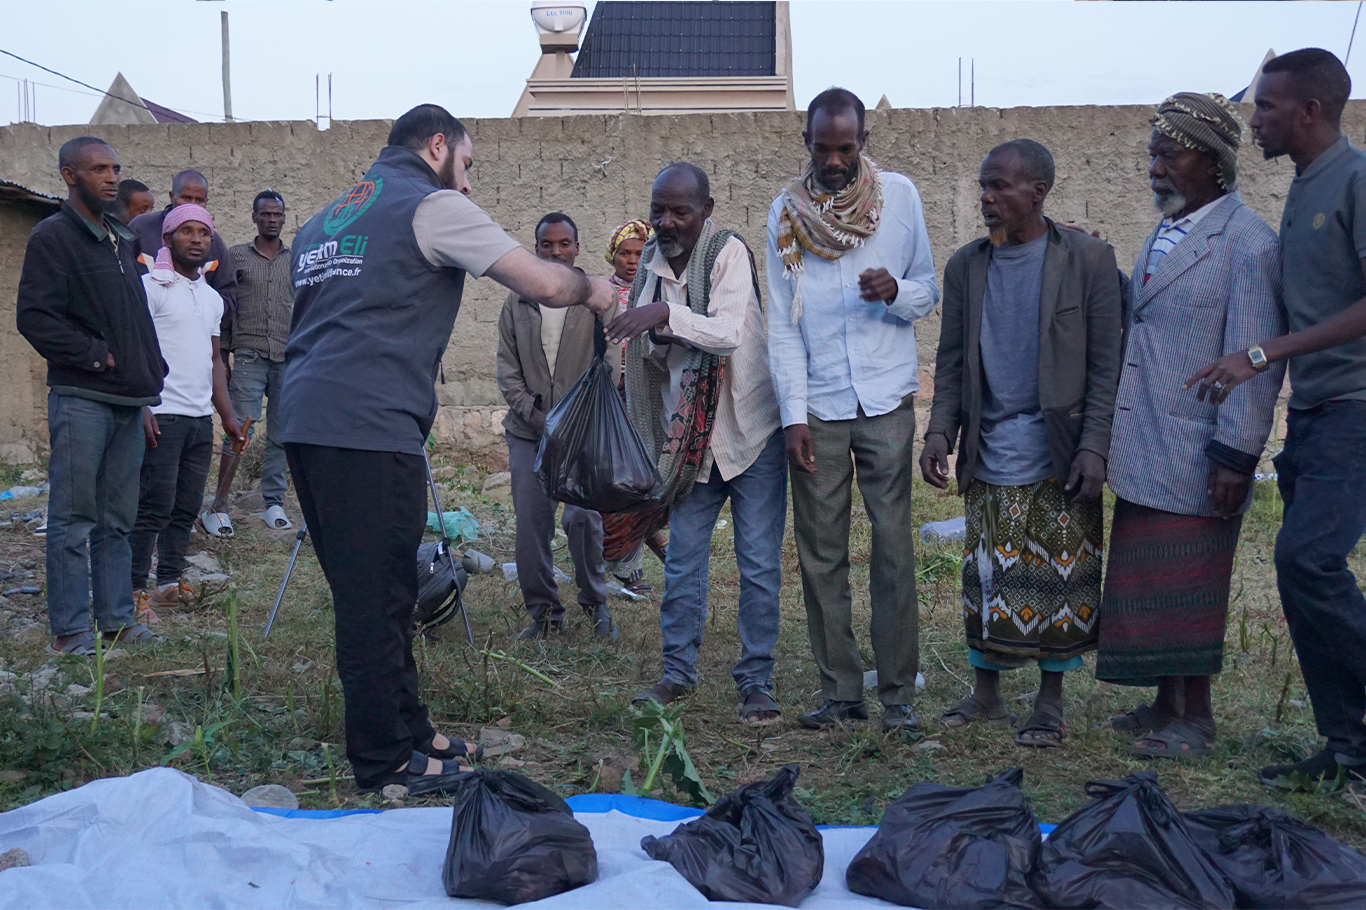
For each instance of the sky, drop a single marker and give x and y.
(474, 57)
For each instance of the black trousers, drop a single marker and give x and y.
(170, 492)
(365, 513)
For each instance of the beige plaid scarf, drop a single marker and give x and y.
(827, 224)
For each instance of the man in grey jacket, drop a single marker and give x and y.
(1207, 282)
(542, 352)
(1034, 424)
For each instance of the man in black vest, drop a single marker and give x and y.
(377, 277)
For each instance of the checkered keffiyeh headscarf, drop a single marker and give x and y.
(1205, 123)
(828, 225)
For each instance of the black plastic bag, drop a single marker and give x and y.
(514, 841)
(756, 845)
(590, 454)
(1275, 860)
(1128, 849)
(957, 848)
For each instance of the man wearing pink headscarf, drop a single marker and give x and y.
(180, 436)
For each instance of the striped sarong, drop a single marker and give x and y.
(1031, 572)
(1165, 606)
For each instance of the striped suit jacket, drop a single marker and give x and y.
(1218, 291)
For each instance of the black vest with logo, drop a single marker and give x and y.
(372, 316)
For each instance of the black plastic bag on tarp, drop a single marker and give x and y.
(957, 848)
(756, 845)
(590, 454)
(1129, 849)
(514, 841)
(1275, 860)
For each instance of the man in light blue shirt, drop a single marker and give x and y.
(849, 270)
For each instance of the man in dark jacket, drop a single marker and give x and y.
(82, 306)
(542, 352)
(1025, 381)
(190, 187)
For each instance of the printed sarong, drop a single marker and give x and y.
(1165, 607)
(1031, 573)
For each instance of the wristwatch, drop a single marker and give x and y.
(1258, 358)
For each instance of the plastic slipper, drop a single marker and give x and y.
(755, 705)
(136, 634)
(82, 644)
(276, 519)
(1143, 719)
(216, 524)
(1045, 728)
(970, 710)
(1178, 739)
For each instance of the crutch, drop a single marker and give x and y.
(293, 558)
(446, 541)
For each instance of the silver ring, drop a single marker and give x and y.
(1218, 386)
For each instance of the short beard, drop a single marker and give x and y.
(94, 202)
(997, 236)
(672, 249)
(447, 173)
(1168, 203)
(850, 174)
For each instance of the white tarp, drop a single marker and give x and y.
(161, 838)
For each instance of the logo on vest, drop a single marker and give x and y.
(1319, 219)
(352, 205)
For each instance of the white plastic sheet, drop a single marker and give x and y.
(162, 839)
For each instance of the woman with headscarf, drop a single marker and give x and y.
(623, 253)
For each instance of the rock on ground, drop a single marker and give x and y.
(498, 487)
(270, 796)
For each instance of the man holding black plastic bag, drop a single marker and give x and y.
(699, 393)
(542, 351)
(378, 276)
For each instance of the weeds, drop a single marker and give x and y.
(657, 732)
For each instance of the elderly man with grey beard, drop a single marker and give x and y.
(1025, 380)
(1207, 282)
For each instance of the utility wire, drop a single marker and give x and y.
(89, 86)
(1354, 35)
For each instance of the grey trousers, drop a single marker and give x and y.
(254, 377)
(881, 453)
(536, 529)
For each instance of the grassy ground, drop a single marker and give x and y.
(284, 723)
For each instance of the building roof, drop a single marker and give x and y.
(165, 114)
(16, 194)
(681, 39)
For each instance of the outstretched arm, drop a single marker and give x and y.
(552, 284)
(1219, 378)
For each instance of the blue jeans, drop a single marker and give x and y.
(252, 377)
(1322, 478)
(93, 471)
(758, 505)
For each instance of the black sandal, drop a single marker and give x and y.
(1045, 728)
(754, 705)
(456, 750)
(1140, 720)
(1181, 738)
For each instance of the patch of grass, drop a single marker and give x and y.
(285, 726)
